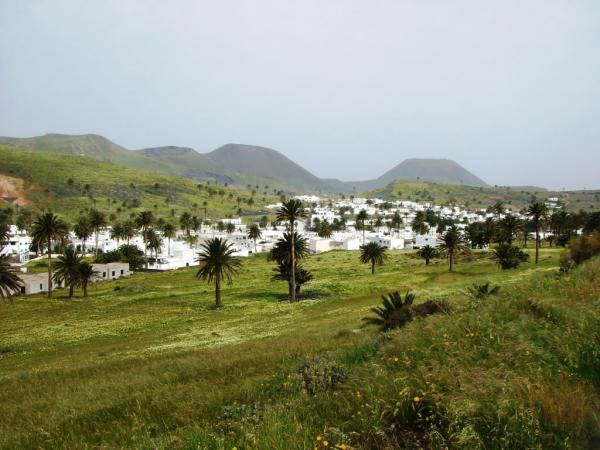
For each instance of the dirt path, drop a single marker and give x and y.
(12, 190)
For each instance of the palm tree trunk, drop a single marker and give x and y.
(97, 233)
(85, 288)
(83, 247)
(537, 245)
(169, 247)
(292, 264)
(71, 290)
(49, 268)
(218, 301)
(372, 267)
(451, 257)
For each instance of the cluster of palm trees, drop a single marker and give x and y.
(10, 283)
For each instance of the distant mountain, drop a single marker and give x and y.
(241, 164)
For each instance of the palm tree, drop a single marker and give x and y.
(217, 263)
(49, 228)
(154, 242)
(117, 232)
(498, 208)
(254, 234)
(10, 282)
(478, 291)
(4, 232)
(83, 230)
(453, 243)
(361, 218)
(85, 272)
(374, 254)
(282, 253)
(394, 311)
(537, 212)
(509, 227)
(169, 231)
(419, 224)
(229, 228)
(129, 230)
(66, 268)
(291, 211)
(282, 273)
(144, 221)
(397, 222)
(97, 222)
(428, 253)
(185, 221)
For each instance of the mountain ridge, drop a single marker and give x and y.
(241, 164)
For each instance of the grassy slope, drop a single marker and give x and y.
(153, 363)
(482, 197)
(46, 176)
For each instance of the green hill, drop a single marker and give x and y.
(70, 185)
(482, 197)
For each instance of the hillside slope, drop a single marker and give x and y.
(70, 185)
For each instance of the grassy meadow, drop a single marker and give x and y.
(147, 362)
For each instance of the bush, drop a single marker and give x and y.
(395, 312)
(478, 291)
(126, 253)
(509, 256)
(584, 247)
(321, 375)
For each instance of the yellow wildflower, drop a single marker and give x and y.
(396, 359)
(319, 437)
(325, 444)
(417, 399)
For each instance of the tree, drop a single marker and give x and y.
(419, 224)
(537, 213)
(254, 233)
(144, 221)
(185, 221)
(154, 242)
(169, 231)
(374, 254)
(480, 291)
(83, 231)
(129, 230)
(498, 208)
(282, 273)
(428, 253)
(508, 256)
(394, 312)
(361, 219)
(117, 232)
(97, 222)
(397, 222)
(291, 211)
(508, 228)
(49, 228)
(85, 272)
(282, 251)
(325, 230)
(217, 263)
(229, 228)
(10, 283)
(452, 244)
(65, 269)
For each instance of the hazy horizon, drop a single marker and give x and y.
(345, 89)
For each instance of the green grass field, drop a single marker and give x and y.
(147, 362)
(115, 189)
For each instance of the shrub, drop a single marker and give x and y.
(584, 247)
(321, 375)
(395, 312)
(478, 291)
(509, 256)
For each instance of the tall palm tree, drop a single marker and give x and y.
(129, 230)
(185, 221)
(361, 218)
(397, 222)
(85, 273)
(453, 242)
(117, 232)
(374, 254)
(65, 268)
(419, 223)
(154, 242)
(537, 212)
(144, 220)
(97, 222)
(49, 228)
(10, 283)
(83, 231)
(169, 231)
(254, 234)
(509, 226)
(217, 263)
(291, 211)
(282, 253)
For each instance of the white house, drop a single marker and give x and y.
(111, 271)
(319, 245)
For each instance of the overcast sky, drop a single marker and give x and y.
(509, 89)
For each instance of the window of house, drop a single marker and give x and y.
(121, 271)
(41, 286)
(103, 274)
(113, 273)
